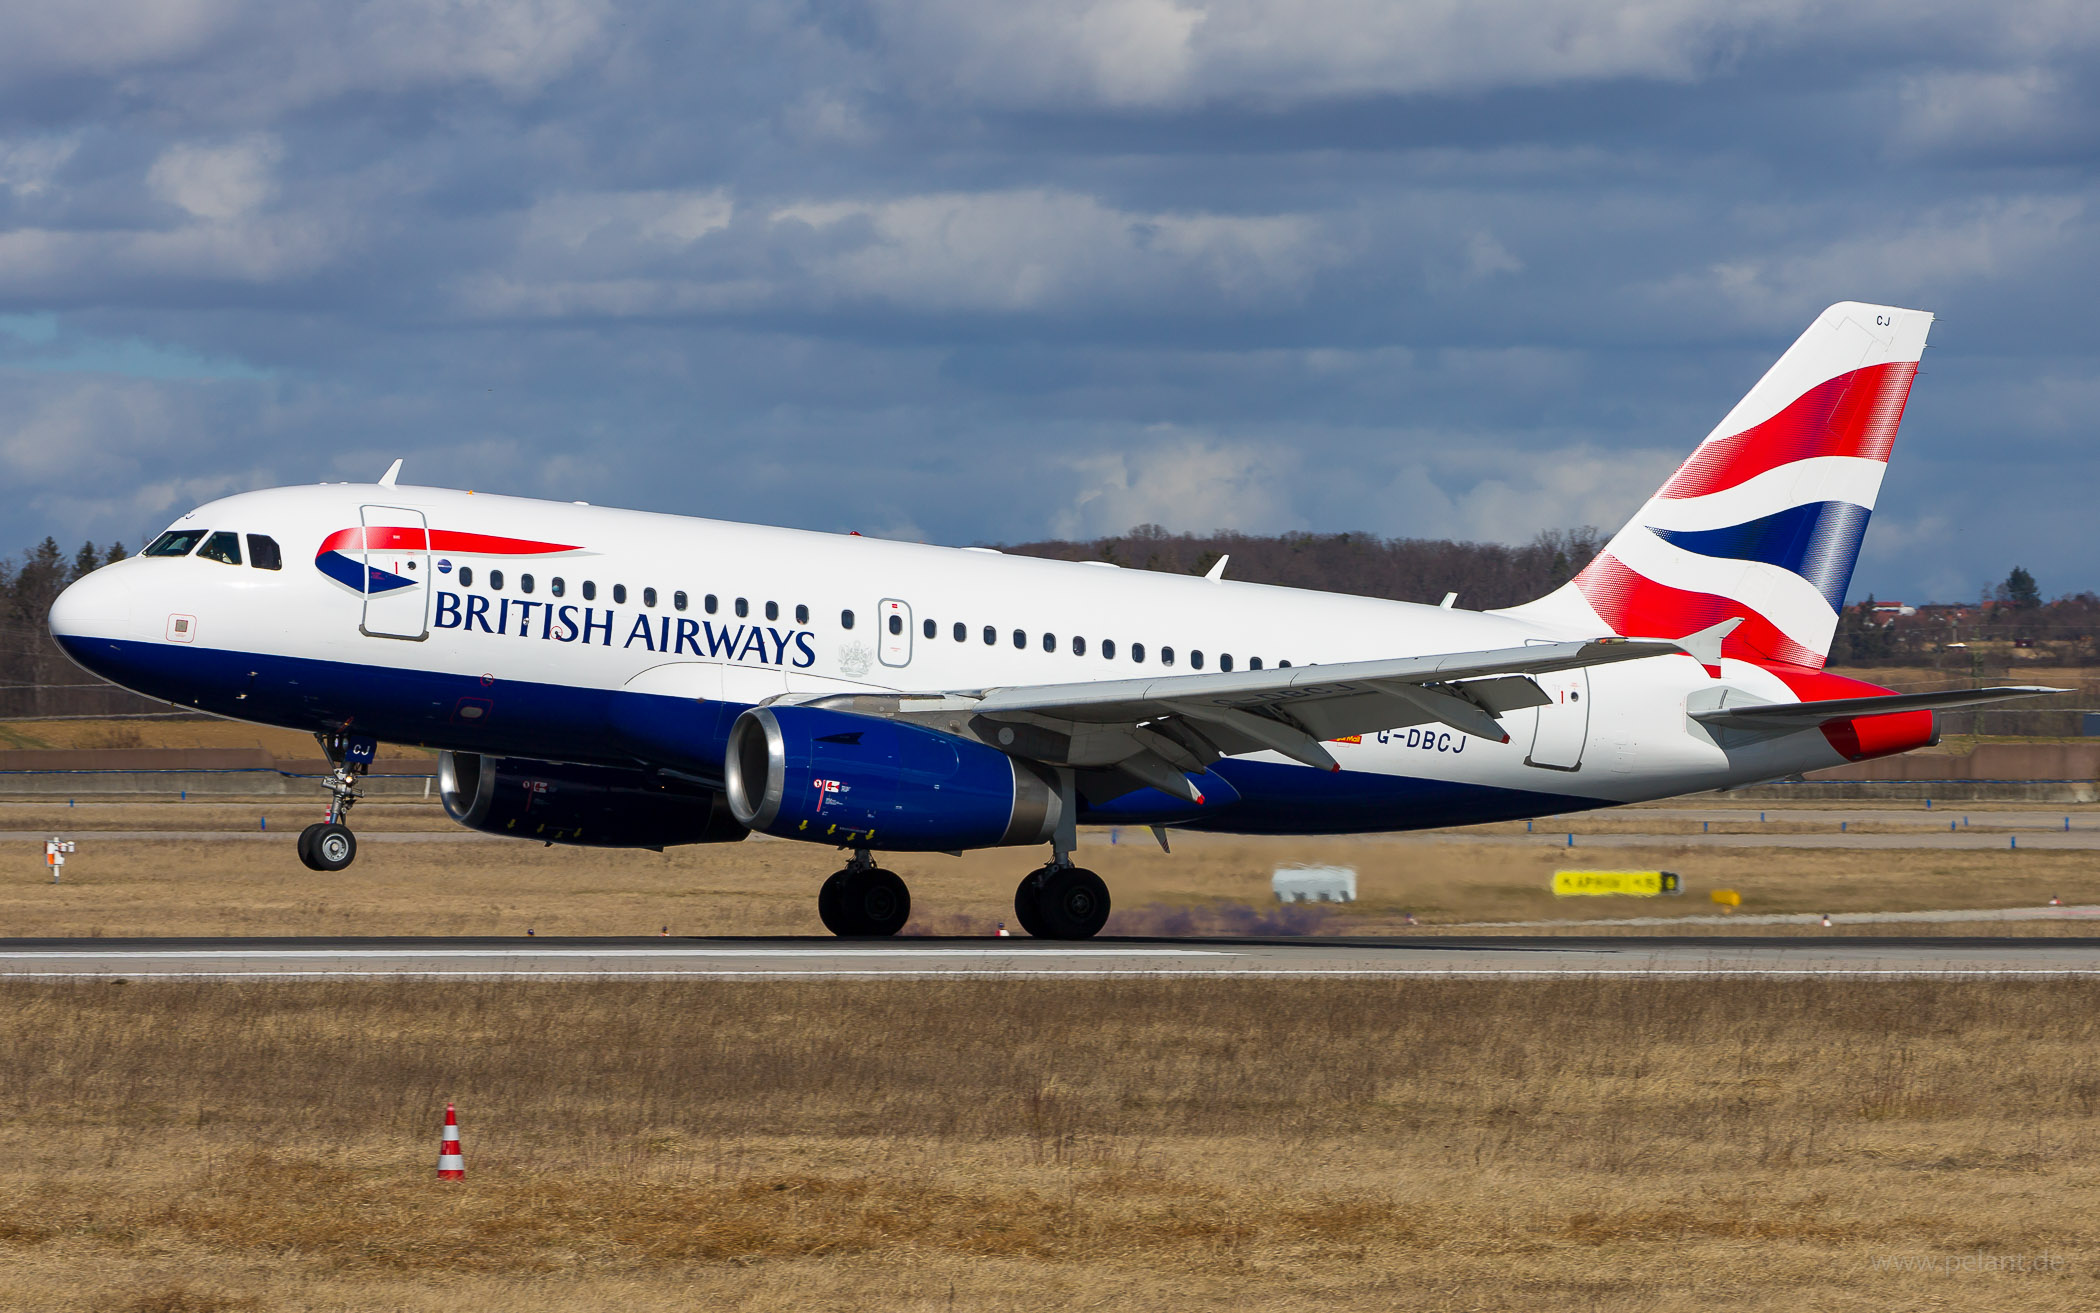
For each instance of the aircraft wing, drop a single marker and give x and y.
(1157, 730)
(1780, 716)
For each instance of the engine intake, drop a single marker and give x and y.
(593, 806)
(811, 773)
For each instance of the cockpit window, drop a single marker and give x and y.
(263, 553)
(221, 546)
(175, 542)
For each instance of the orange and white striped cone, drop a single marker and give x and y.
(451, 1165)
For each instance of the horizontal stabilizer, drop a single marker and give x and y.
(1807, 715)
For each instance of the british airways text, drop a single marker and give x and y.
(672, 635)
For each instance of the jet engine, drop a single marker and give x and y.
(595, 806)
(866, 782)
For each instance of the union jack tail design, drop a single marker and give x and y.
(1763, 523)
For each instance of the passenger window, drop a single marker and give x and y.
(620, 594)
(175, 542)
(962, 632)
(896, 624)
(710, 603)
(466, 579)
(1021, 638)
(222, 546)
(1166, 656)
(1078, 646)
(772, 610)
(1253, 663)
(496, 581)
(263, 553)
(743, 608)
(845, 620)
(524, 583)
(1108, 649)
(1196, 659)
(1283, 665)
(991, 636)
(1137, 653)
(801, 614)
(1049, 642)
(649, 597)
(678, 600)
(929, 628)
(1225, 663)
(590, 590)
(556, 586)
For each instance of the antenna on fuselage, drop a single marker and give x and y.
(393, 472)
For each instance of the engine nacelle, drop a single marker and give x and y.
(862, 781)
(595, 806)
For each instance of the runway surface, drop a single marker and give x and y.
(1024, 959)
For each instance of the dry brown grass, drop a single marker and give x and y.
(1591, 1143)
(1210, 884)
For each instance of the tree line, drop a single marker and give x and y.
(36, 678)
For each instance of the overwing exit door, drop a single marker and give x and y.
(397, 573)
(895, 618)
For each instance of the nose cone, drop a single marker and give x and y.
(97, 607)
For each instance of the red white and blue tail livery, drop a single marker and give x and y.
(1763, 523)
(621, 679)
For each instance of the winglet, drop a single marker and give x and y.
(393, 472)
(1217, 572)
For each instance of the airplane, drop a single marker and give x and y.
(623, 679)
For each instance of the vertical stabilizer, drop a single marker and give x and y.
(1763, 523)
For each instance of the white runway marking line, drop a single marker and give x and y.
(1475, 973)
(186, 954)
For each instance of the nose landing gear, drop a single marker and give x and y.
(328, 845)
(864, 901)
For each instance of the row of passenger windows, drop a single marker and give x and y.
(1106, 647)
(559, 587)
(223, 546)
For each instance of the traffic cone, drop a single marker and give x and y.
(451, 1165)
(2054, 901)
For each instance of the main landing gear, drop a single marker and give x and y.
(328, 845)
(1061, 901)
(864, 901)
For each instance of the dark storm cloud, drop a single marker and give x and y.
(973, 272)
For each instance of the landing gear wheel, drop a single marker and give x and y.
(1072, 903)
(831, 905)
(306, 846)
(1027, 896)
(864, 903)
(333, 848)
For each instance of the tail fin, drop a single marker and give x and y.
(1764, 521)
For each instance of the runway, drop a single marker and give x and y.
(1024, 959)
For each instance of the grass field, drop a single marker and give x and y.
(1209, 884)
(1587, 1144)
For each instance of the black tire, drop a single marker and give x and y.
(831, 905)
(1026, 911)
(875, 904)
(333, 848)
(306, 846)
(1073, 904)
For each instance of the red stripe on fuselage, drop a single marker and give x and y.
(1854, 414)
(1638, 607)
(406, 538)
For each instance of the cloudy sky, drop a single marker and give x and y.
(972, 272)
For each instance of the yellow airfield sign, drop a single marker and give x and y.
(1635, 884)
